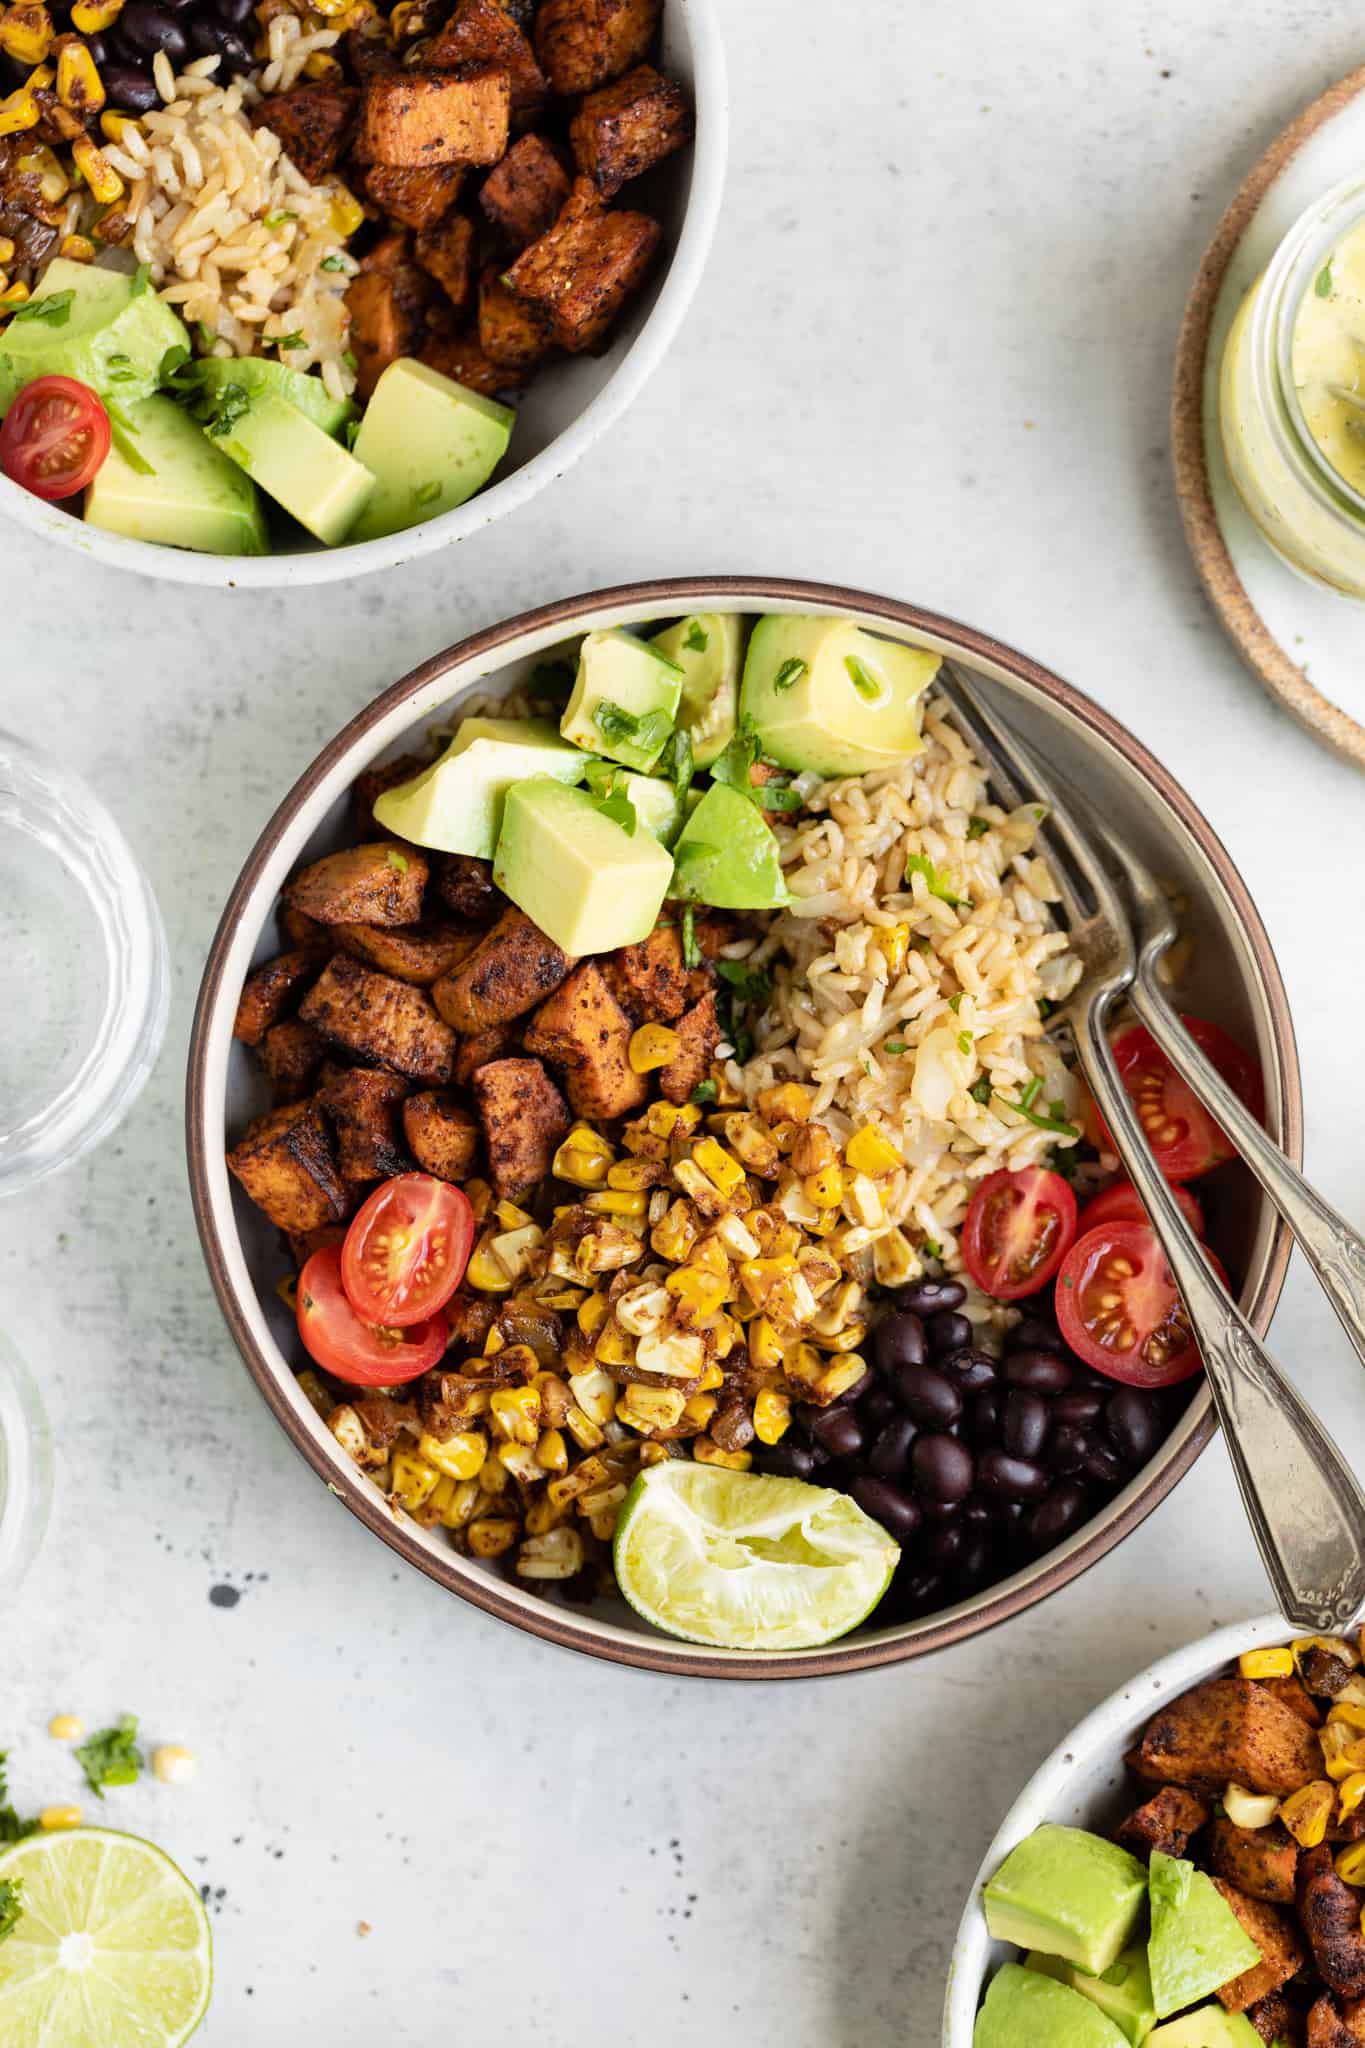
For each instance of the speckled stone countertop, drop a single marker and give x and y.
(931, 356)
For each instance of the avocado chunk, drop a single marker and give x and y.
(656, 803)
(1210, 2027)
(186, 496)
(100, 326)
(709, 649)
(300, 467)
(829, 698)
(625, 699)
(456, 804)
(430, 444)
(256, 375)
(728, 856)
(1024, 2009)
(1070, 1894)
(588, 883)
(1197, 1941)
(1124, 1992)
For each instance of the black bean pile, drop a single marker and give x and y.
(974, 1464)
(184, 29)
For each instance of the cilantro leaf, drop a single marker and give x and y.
(396, 860)
(746, 989)
(232, 403)
(691, 951)
(1322, 285)
(977, 828)
(862, 678)
(607, 787)
(676, 763)
(111, 1756)
(936, 884)
(705, 1091)
(12, 1829)
(750, 984)
(54, 310)
(790, 673)
(696, 638)
(736, 765)
(648, 731)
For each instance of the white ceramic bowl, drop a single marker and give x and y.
(1083, 1784)
(564, 413)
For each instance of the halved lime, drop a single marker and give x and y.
(112, 1949)
(746, 1561)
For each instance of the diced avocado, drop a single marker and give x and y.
(302, 468)
(1124, 1992)
(625, 699)
(188, 496)
(102, 327)
(1024, 2009)
(728, 856)
(456, 804)
(1197, 1942)
(657, 805)
(1068, 1893)
(589, 884)
(828, 697)
(1210, 2027)
(709, 649)
(257, 374)
(430, 442)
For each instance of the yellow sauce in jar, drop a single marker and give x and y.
(1328, 355)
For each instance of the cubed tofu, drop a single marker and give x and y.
(285, 1163)
(1276, 2020)
(460, 357)
(1283, 1953)
(513, 967)
(476, 1051)
(422, 118)
(698, 1032)
(446, 253)
(466, 886)
(419, 953)
(512, 332)
(291, 1053)
(1294, 1694)
(312, 122)
(388, 319)
(362, 1104)
(651, 979)
(483, 32)
(584, 1031)
(270, 990)
(524, 195)
(442, 1135)
(370, 51)
(583, 271)
(304, 932)
(1231, 1729)
(1259, 1861)
(625, 129)
(1329, 1913)
(303, 1243)
(1331, 2023)
(524, 1120)
(419, 197)
(377, 884)
(381, 1020)
(583, 43)
(1166, 1822)
(374, 781)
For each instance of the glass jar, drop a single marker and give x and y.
(1308, 512)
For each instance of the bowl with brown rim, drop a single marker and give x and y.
(1233, 978)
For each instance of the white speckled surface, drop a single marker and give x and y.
(932, 356)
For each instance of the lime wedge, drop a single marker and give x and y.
(112, 1949)
(746, 1561)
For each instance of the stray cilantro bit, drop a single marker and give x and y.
(696, 638)
(174, 359)
(12, 1829)
(955, 1002)
(427, 493)
(895, 1045)
(705, 1091)
(142, 277)
(862, 678)
(934, 882)
(1045, 1008)
(965, 1042)
(278, 218)
(1053, 1122)
(332, 263)
(790, 673)
(607, 787)
(648, 732)
(1031, 1093)
(54, 310)
(11, 1904)
(676, 763)
(396, 860)
(776, 796)
(1323, 283)
(352, 431)
(750, 984)
(931, 1248)
(736, 765)
(283, 341)
(977, 828)
(980, 1091)
(233, 402)
(691, 951)
(746, 988)
(111, 1756)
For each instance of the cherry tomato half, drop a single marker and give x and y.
(366, 1354)
(54, 438)
(1184, 1137)
(1120, 1204)
(1019, 1229)
(1118, 1309)
(406, 1250)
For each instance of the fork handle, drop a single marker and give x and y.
(1305, 1508)
(1332, 1248)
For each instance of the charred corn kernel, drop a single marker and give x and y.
(617, 1202)
(1276, 1663)
(787, 1102)
(558, 1554)
(438, 1500)
(894, 1263)
(1350, 1792)
(6, 248)
(614, 1346)
(173, 1764)
(603, 1498)
(603, 1525)
(1347, 1714)
(707, 1451)
(734, 1236)
(460, 1456)
(765, 1346)
(53, 1817)
(711, 1378)
(97, 171)
(114, 126)
(552, 1453)
(66, 1727)
(663, 1119)
(1350, 1863)
(413, 1479)
(313, 1391)
(460, 1508)
(893, 943)
(1335, 1646)
(699, 1408)
(491, 1535)
(1336, 1741)
(676, 1233)
(595, 1394)
(838, 1309)
(344, 217)
(516, 1413)
(485, 1271)
(1306, 1813)
(701, 1191)
(653, 1454)
(584, 1432)
(77, 249)
(847, 1339)
(813, 1149)
(643, 1310)
(494, 1342)
(92, 17)
(762, 1277)
(555, 1398)
(772, 1415)
(583, 1478)
(520, 1461)
(863, 1201)
(409, 18)
(650, 1407)
(697, 1293)
(871, 1151)
(19, 110)
(349, 1432)
(718, 1165)
(41, 78)
(78, 82)
(1249, 1810)
(511, 1217)
(634, 1176)
(592, 1313)
(543, 1515)
(287, 1288)
(677, 1355)
(653, 1045)
(825, 1188)
(26, 34)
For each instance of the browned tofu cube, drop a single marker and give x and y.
(370, 51)
(583, 271)
(524, 1120)
(446, 253)
(1292, 1693)
(271, 989)
(312, 122)
(466, 886)
(419, 953)
(512, 332)
(303, 1243)
(1275, 2019)
(1231, 1729)
(1259, 1861)
(483, 32)
(388, 314)
(650, 978)
(285, 1164)
(1329, 1913)
(442, 1135)
(698, 1032)
(384, 1021)
(420, 198)
(377, 884)
(1166, 1823)
(304, 933)
(362, 1103)
(374, 781)
(476, 1051)
(422, 118)
(583, 43)
(584, 1031)
(1283, 1953)
(291, 1053)
(1332, 2023)
(460, 356)
(513, 967)
(524, 195)
(625, 129)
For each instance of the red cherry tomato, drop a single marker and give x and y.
(363, 1353)
(54, 438)
(406, 1250)
(1120, 1204)
(1118, 1309)
(1019, 1229)
(1184, 1137)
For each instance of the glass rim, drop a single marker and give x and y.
(1288, 278)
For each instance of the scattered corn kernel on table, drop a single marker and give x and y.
(931, 356)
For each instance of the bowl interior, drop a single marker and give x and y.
(1232, 978)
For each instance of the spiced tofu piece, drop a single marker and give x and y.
(1283, 1953)
(304, 932)
(386, 1022)
(374, 781)
(1259, 1861)
(377, 884)
(420, 118)
(698, 1032)
(1329, 1913)
(420, 198)
(445, 252)
(270, 990)
(483, 32)
(625, 129)
(475, 1052)
(583, 43)
(654, 983)
(312, 122)
(1294, 1694)
(388, 317)
(513, 967)
(461, 357)
(291, 1053)
(1331, 2024)
(362, 1103)
(303, 1243)
(1231, 1729)
(419, 953)
(285, 1163)
(1166, 1822)
(584, 1031)
(524, 195)
(512, 332)
(442, 1135)
(466, 886)
(524, 1120)
(582, 272)
(370, 52)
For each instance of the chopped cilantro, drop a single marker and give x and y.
(977, 828)
(427, 493)
(111, 1756)
(862, 679)
(54, 310)
(895, 1045)
(936, 884)
(980, 1091)
(676, 762)
(750, 984)
(142, 278)
(648, 731)
(776, 796)
(278, 218)
(955, 1002)
(932, 1248)
(790, 673)
(174, 359)
(696, 637)
(705, 1091)
(12, 1829)
(233, 401)
(11, 1904)
(746, 988)
(286, 341)
(396, 860)
(965, 1042)
(607, 787)
(736, 765)
(332, 263)
(1323, 283)
(691, 951)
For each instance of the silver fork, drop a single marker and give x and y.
(1306, 1510)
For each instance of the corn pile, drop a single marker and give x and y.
(1329, 1666)
(711, 1275)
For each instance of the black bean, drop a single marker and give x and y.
(948, 1331)
(900, 1340)
(13, 74)
(236, 13)
(1131, 1421)
(856, 1391)
(921, 1593)
(943, 1468)
(99, 50)
(1099, 1462)
(1056, 1515)
(943, 1544)
(898, 1514)
(970, 1370)
(976, 1514)
(1024, 1422)
(928, 1396)
(840, 1432)
(1015, 1478)
(983, 1418)
(878, 1406)
(129, 87)
(890, 1454)
(927, 1297)
(1067, 1447)
(1078, 1404)
(147, 28)
(786, 1461)
(1043, 1371)
(1032, 1334)
(215, 39)
(976, 1564)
